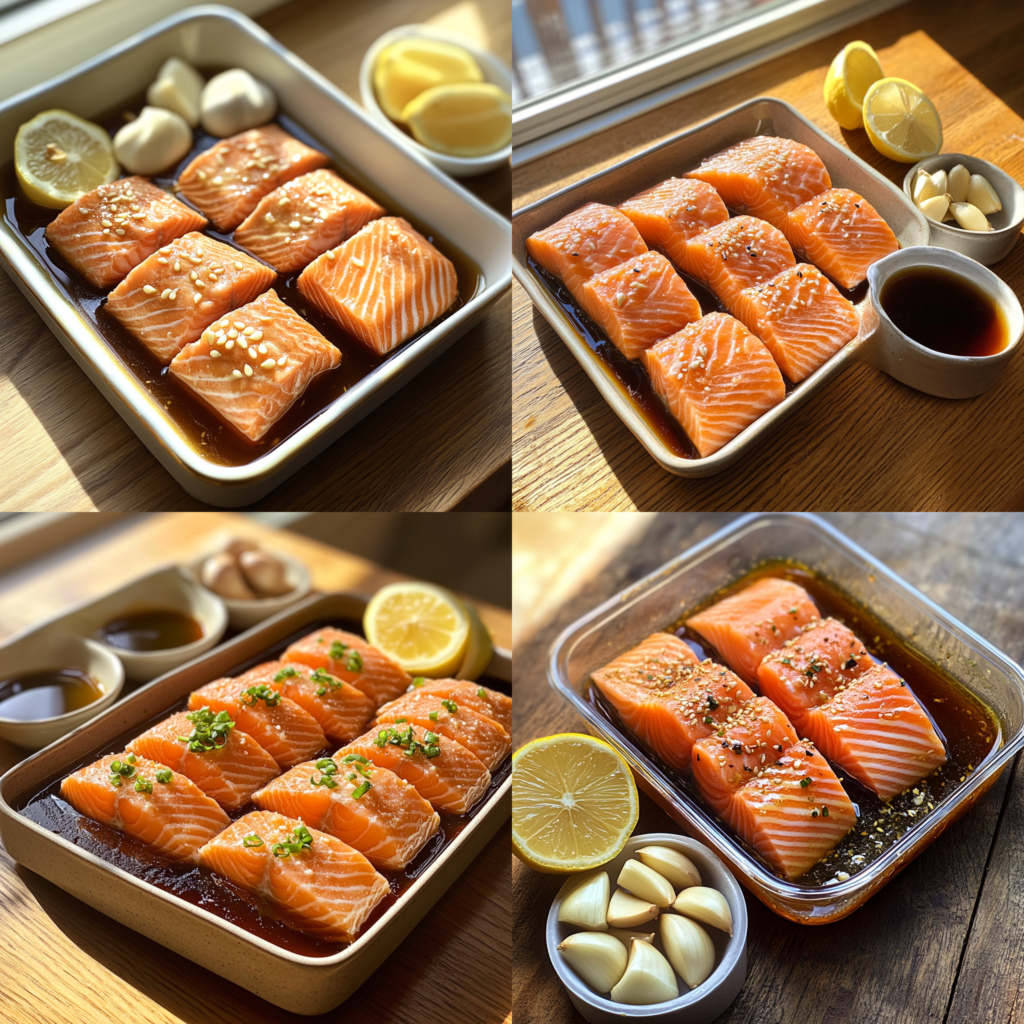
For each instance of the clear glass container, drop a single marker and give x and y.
(659, 600)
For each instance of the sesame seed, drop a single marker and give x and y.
(248, 370)
(282, 360)
(268, 364)
(307, 220)
(177, 265)
(236, 373)
(257, 335)
(118, 231)
(238, 325)
(262, 348)
(166, 293)
(174, 293)
(149, 289)
(193, 276)
(218, 180)
(229, 344)
(202, 175)
(358, 262)
(238, 266)
(162, 259)
(196, 297)
(214, 353)
(269, 218)
(252, 352)
(106, 231)
(293, 224)
(283, 201)
(106, 224)
(329, 254)
(232, 333)
(248, 331)
(197, 259)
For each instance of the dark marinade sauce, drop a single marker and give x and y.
(202, 428)
(968, 728)
(202, 887)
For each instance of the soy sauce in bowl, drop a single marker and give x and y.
(47, 693)
(151, 630)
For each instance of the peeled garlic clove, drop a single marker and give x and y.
(264, 573)
(648, 978)
(598, 959)
(705, 904)
(585, 902)
(680, 871)
(625, 911)
(177, 87)
(154, 141)
(940, 182)
(924, 187)
(935, 208)
(959, 179)
(982, 195)
(626, 936)
(234, 101)
(689, 948)
(970, 217)
(221, 574)
(646, 884)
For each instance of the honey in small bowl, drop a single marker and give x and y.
(156, 629)
(47, 693)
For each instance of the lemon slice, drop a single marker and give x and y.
(471, 119)
(411, 66)
(58, 157)
(422, 627)
(479, 650)
(574, 803)
(853, 72)
(901, 122)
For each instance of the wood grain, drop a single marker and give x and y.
(941, 942)
(67, 450)
(64, 963)
(865, 441)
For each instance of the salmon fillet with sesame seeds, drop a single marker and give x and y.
(304, 218)
(109, 231)
(251, 366)
(229, 179)
(177, 292)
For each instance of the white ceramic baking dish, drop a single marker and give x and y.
(219, 36)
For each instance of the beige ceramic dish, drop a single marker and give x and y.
(302, 984)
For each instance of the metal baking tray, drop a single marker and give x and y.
(661, 598)
(302, 984)
(219, 36)
(676, 155)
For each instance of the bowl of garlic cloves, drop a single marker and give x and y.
(659, 933)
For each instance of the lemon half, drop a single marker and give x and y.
(411, 66)
(854, 70)
(58, 157)
(574, 803)
(901, 122)
(468, 119)
(479, 650)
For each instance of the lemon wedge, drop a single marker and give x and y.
(470, 119)
(421, 626)
(854, 70)
(901, 122)
(58, 157)
(574, 803)
(479, 650)
(411, 66)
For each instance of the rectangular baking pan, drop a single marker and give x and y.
(672, 158)
(219, 36)
(661, 598)
(307, 985)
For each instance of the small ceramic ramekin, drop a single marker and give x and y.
(986, 247)
(494, 71)
(700, 1005)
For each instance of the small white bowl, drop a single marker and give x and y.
(986, 247)
(700, 1005)
(493, 70)
(54, 648)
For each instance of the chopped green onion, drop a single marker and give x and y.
(824, 812)
(286, 673)
(451, 706)
(482, 693)
(708, 720)
(432, 716)
(430, 737)
(712, 703)
(418, 681)
(164, 775)
(402, 720)
(351, 776)
(260, 693)
(131, 759)
(805, 782)
(349, 758)
(299, 840)
(122, 768)
(337, 651)
(319, 639)
(210, 731)
(252, 839)
(786, 661)
(143, 785)
(406, 739)
(814, 814)
(360, 790)
(115, 780)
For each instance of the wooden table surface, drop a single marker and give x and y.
(68, 450)
(864, 441)
(941, 943)
(61, 962)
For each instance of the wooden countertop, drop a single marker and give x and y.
(64, 963)
(941, 942)
(864, 441)
(68, 450)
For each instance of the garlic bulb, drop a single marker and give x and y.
(234, 101)
(689, 948)
(648, 978)
(178, 87)
(935, 208)
(707, 905)
(626, 936)
(598, 959)
(982, 195)
(585, 901)
(625, 911)
(154, 141)
(264, 573)
(959, 178)
(970, 217)
(221, 574)
(646, 884)
(680, 871)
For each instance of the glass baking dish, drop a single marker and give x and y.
(660, 599)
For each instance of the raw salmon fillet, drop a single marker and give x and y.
(109, 231)
(445, 773)
(484, 701)
(801, 318)
(667, 697)
(171, 298)
(842, 233)
(765, 176)
(350, 658)
(228, 180)
(229, 772)
(584, 243)
(748, 625)
(876, 730)
(255, 363)
(388, 823)
(716, 379)
(326, 889)
(298, 221)
(478, 734)
(342, 710)
(289, 734)
(639, 302)
(383, 285)
(670, 214)
(175, 819)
